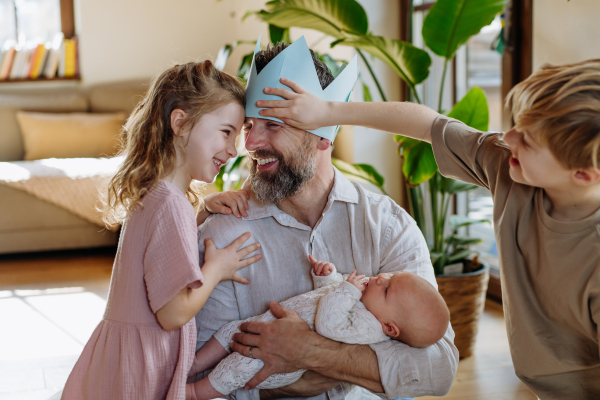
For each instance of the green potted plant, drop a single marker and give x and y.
(449, 24)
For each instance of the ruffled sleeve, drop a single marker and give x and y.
(171, 261)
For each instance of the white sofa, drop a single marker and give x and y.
(26, 222)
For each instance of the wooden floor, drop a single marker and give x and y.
(51, 302)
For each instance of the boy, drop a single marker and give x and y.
(545, 181)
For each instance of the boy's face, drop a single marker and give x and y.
(533, 163)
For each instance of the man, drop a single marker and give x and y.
(302, 205)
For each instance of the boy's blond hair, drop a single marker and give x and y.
(560, 107)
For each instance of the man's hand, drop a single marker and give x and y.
(321, 268)
(279, 344)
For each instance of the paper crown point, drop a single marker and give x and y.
(296, 64)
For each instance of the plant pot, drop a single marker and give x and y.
(465, 297)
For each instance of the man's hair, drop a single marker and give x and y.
(560, 107)
(263, 57)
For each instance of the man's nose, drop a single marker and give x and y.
(255, 138)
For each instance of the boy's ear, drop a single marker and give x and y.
(324, 144)
(390, 329)
(177, 120)
(586, 176)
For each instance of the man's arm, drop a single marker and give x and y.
(288, 344)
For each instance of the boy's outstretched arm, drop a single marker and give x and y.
(304, 110)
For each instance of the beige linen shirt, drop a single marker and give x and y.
(550, 270)
(358, 230)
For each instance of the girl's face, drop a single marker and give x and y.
(211, 142)
(533, 163)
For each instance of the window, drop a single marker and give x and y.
(30, 31)
(478, 64)
(28, 20)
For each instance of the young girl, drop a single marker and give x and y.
(184, 129)
(544, 176)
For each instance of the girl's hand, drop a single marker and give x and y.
(321, 268)
(228, 202)
(355, 280)
(300, 108)
(227, 261)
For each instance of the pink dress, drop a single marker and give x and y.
(129, 355)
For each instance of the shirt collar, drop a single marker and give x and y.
(343, 190)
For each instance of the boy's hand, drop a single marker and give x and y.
(355, 280)
(300, 108)
(321, 268)
(228, 202)
(227, 261)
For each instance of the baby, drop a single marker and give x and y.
(350, 309)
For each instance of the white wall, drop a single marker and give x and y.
(565, 31)
(137, 39)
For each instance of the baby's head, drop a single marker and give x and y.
(409, 308)
(556, 137)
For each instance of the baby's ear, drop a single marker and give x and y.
(390, 329)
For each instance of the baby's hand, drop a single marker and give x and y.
(356, 281)
(228, 202)
(300, 109)
(321, 268)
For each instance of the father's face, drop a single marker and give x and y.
(282, 158)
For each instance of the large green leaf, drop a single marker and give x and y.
(452, 186)
(450, 23)
(472, 110)
(327, 16)
(360, 172)
(277, 34)
(409, 62)
(419, 164)
(457, 221)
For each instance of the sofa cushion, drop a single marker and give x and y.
(71, 135)
(43, 100)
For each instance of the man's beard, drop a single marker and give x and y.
(290, 176)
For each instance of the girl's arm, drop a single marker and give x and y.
(235, 202)
(306, 111)
(219, 265)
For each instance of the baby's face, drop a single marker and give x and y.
(380, 296)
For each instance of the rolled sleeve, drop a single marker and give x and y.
(469, 155)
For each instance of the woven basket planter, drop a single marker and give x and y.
(465, 297)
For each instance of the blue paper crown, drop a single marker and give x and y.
(296, 64)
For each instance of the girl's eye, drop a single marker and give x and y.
(227, 131)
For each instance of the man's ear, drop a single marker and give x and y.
(177, 120)
(390, 329)
(323, 144)
(586, 176)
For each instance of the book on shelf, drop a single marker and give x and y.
(7, 60)
(17, 64)
(51, 67)
(35, 60)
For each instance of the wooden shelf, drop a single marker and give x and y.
(74, 78)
